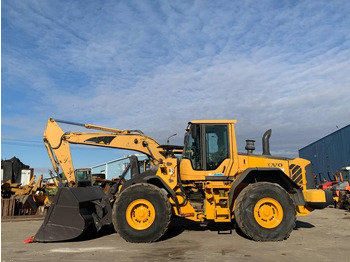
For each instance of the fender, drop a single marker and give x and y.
(149, 176)
(262, 174)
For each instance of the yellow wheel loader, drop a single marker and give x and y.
(211, 182)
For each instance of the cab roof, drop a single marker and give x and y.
(221, 121)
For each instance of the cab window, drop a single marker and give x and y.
(206, 146)
(216, 145)
(192, 150)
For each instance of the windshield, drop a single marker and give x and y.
(83, 174)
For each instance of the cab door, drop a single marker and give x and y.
(207, 152)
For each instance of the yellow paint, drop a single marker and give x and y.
(268, 213)
(314, 195)
(140, 214)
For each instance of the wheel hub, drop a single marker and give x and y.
(268, 213)
(140, 214)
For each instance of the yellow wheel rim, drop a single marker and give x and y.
(140, 214)
(268, 213)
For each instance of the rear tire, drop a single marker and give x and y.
(142, 213)
(265, 212)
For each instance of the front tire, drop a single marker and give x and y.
(142, 213)
(265, 212)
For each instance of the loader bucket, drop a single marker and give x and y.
(71, 214)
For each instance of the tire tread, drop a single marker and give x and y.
(147, 188)
(245, 193)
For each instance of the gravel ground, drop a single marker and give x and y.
(323, 235)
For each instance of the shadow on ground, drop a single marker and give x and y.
(301, 224)
(92, 234)
(178, 225)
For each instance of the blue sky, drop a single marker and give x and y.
(155, 65)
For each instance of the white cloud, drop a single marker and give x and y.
(155, 66)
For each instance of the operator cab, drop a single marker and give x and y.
(83, 177)
(207, 149)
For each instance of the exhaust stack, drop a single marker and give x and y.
(266, 142)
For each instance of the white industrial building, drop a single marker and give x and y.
(115, 168)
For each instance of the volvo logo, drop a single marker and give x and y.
(279, 165)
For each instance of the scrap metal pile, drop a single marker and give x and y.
(20, 198)
(23, 200)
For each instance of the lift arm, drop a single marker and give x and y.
(57, 144)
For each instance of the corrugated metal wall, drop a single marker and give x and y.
(330, 153)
